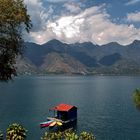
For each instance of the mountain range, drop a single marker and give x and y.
(55, 57)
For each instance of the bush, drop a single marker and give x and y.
(1, 135)
(52, 136)
(136, 97)
(87, 136)
(68, 135)
(16, 132)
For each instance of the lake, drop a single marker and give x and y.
(105, 105)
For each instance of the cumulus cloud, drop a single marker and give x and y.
(72, 7)
(132, 2)
(39, 14)
(34, 9)
(133, 17)
(92, 24)
(56, 1)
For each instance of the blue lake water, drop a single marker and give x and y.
(105, 105)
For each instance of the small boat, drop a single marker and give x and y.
(46, 124)
(52, 124)
(59, 123)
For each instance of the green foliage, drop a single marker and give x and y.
(68, 135)
(1, 135)
(136, 97)
(13, 21)
(87, 136)
(52, 136)
(16, 132)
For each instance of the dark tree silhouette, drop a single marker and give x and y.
(13, 21)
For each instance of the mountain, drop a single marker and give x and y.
(62, 63)
(110, 60)
(80, 58)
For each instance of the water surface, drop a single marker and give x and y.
(104, 104)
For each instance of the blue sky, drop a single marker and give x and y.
(97, 21)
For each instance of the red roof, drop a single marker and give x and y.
(62, 107)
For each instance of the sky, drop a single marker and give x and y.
(96, 21)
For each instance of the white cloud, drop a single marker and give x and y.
(72, 7)
(92, 24)
(39, 14)
(132, 2)
(56, 1)
(133, 17)
(35, 9)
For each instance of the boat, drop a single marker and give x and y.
(46, 124)
(52, 124)
(59, 123)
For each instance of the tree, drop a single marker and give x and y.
(13, 21)
(16, 132)
(68, 135)
(136, 97)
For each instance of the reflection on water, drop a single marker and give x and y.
(104, 104)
